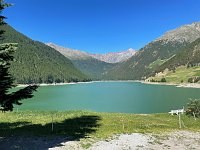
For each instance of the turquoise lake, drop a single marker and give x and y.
(124, 97)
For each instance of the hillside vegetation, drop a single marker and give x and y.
(189, 56)
(182, 67)
(36, 62)
(138, 66)
(93, 68)
(182, 74)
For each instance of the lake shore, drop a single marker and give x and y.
(53, 84)
(183, 85)
(68, 83)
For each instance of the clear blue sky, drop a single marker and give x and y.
(100, 26)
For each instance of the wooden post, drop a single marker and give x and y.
(52, 123)
(179, 116)
(194, 116)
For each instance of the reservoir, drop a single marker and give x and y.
(123, 97)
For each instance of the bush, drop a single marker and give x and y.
(190, 80)
(152, 80)
(194, 79)
(163, 80)
(193, 108)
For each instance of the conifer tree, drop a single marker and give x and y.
(7, 99)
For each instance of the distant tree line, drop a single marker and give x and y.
(162, 80)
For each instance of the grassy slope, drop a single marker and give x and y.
(181, 73)
(88, 124)
(154, 65)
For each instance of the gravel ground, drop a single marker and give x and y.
(179, 140)
(123, 142)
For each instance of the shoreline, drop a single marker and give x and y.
(68, 83)
(182, 85)
(52, 84)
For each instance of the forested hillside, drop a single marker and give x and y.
(92, 67)
(36, 62)
(139, 66)
(182, 67)
(189, 56)
(154, 54)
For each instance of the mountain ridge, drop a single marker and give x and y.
(36, 62)
(184, 33)
(162, 48)
(111, 57)
(92, 67)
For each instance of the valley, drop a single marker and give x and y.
(173, 49)
(127, 77)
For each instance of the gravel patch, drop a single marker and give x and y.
(123, 142)
(179, 140)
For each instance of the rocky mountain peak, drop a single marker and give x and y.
(115, 57)
(112, 57)
(185, 33)
(70, 53)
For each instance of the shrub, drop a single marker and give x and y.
(193, 108)
(152, 80)
(163, 80)
(190, 80)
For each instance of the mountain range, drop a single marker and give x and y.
(113, 57)
(152, 55)
(95, 66)
(38, 62)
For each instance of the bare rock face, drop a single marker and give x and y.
(113, 57)
(186, 33)
(70, 53)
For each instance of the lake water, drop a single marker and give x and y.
(126, 97)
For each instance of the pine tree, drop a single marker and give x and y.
(7, 99)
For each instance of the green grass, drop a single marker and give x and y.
(156, 63)
(181, 74)
(83, 124)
